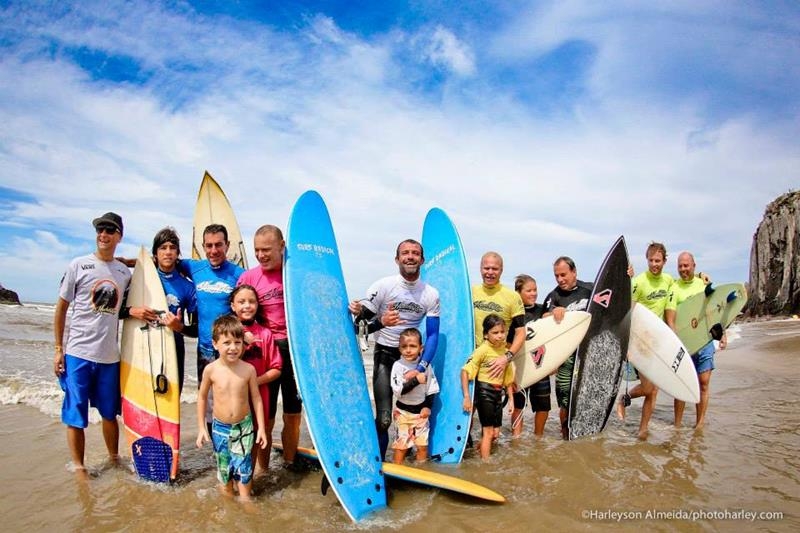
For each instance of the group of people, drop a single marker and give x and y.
(396, 306)
(244, 362)
(243, 357)
(661, 294)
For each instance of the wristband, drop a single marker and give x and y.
(509, 355)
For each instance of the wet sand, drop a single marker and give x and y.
(744, 460)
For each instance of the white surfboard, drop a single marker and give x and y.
(547, 345)
(657, 353)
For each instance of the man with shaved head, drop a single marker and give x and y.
(688, 285)
(267, 279)
(492, 297)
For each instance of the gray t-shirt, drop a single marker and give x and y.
(414, 300)
(416, 395)
(96, 290)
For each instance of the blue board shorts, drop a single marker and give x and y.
(86, 383)
(232, 446)
(704, 358)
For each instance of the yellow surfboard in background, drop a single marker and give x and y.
(213, 207)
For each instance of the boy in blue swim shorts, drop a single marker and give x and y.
(234, 386)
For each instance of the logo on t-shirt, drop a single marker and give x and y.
(105, 296)
(217, 287)
(489, 307)
(411, 307)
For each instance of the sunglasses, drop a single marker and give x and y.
(106, 228)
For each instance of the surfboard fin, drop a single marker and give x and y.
(325, 485)
(731, 297)
(709, 290)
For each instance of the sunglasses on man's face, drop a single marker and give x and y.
(106, 228)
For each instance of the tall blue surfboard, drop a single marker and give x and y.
(445, 268)
(598, 363)
(327, 360)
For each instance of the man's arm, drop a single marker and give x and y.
(669, 318)
(59, 322)
(499, 365)
(431, 342)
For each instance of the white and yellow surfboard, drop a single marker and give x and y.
(149, 380)
(213, 207)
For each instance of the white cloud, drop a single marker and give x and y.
(444, 49)
(290, 112)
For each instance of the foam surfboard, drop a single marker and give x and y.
(445, 268)
(150, 403)
(424, 477)
(547, 345)
(213, 207)
(598, 363)
(657, 353)
(696, 315)
(327, 360)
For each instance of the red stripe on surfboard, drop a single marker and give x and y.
(146, 424)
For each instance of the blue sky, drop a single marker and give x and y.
(542, 128)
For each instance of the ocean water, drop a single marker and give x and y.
(741, 472)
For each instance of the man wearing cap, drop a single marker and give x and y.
(87, 361)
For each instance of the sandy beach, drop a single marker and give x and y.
(739, 473)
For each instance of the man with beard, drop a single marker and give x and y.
(393, 304)
(652, 288)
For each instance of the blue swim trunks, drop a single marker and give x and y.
(704, 358)
(232, 446)
(86, 383)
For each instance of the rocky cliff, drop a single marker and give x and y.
(775, 259)
(8, 296)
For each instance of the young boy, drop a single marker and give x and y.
(234, 386)
(415, 396)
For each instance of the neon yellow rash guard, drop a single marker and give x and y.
(682, 290)
(653, 291)
(499, 300)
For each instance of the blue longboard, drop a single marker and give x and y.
(598, 363)
(445, 268)
(327, 361)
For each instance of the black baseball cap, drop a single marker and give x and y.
(110, 218)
